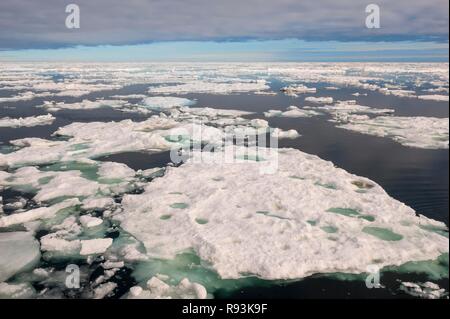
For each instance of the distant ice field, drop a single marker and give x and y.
(84, 150)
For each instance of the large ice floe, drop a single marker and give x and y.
(181, 127)
(144, 106)
(421, 132)
(416, 131)
(83, 105)
(309, 217)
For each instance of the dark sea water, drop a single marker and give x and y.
(417, 177)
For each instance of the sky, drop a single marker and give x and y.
(224, 30)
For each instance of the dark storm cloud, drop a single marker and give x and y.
(41, 23)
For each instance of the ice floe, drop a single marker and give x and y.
(27, 121)
(94, 139)
(299, 89)
(24, 96)
(19, 251)
(292, 111)
(36, 214)
(278, 133)
(420, 132)
(234, 231)
(434, 97)
(158, 289)
(83, 105)
(319, 100)
(95, 246)
(89, 221)
(158, 133)
(165, 102)
(208, 87)
(427, 290)
(16, 291)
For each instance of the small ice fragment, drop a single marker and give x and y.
(95, 246)
(89, 221)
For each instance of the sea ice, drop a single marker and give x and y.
(211, 87)
(19, 252)
(37, 213)
(230, 221)
(27, 121)
(16, 291)
(158, 289)
(420, 132)
(319, 100)
(278, 133)
(292, 111)
(434, 97)
(299, 89)
(95, 246)
(83, 105)
(166, 102)
(427, 290)
(89, 221)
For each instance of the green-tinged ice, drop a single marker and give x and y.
(188, 265)
(433, 269)
(179, 205)
(329, 229)
(254, 158)
(326, 185)
(350, 212)
(266, 213)
(79, 146)
(201, 221)
(363, 184)
(435, 229)
(45, 180)
(382, 233)
(183, 139)
(343, 211)
(88, 171)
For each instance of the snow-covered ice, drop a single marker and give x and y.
(305, 218)
(319, 100)
(27, 121)
(83, 105)
(299, 203)
(427, 290)
(19, 251)
(208, 87)
(165, 102)
(421, 132)
(292, 111)
(434, 97)
(158, 289)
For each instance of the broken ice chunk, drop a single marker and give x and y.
(19, 251)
